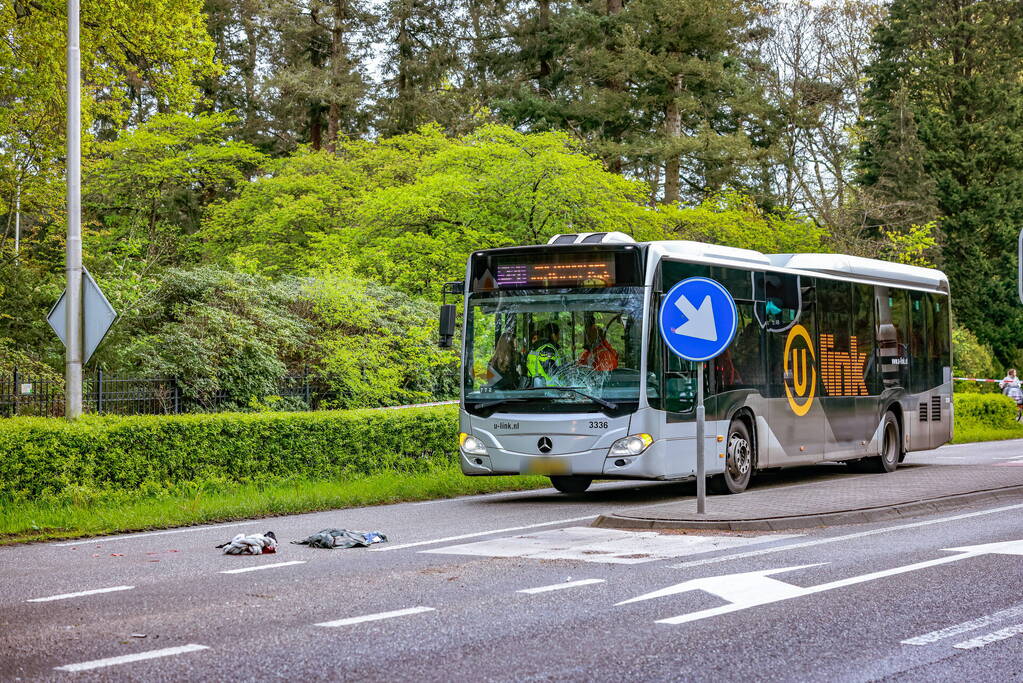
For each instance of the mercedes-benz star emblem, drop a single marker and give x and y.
(544, 445)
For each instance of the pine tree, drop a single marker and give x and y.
(421, 64)
(957, 65)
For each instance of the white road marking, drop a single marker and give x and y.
(262, 566)
(137, 657)
(478, 533)
(607, 546)
(750, 589)
(993, 637)
(973, 624)
(376, 617)
(560, 586)
(79, 594)
(846, 537)
(105, 539)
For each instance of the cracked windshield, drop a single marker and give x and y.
(554, 351)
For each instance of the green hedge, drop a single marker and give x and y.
(40, 456)
(994, 411)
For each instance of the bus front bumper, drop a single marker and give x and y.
(663, 459)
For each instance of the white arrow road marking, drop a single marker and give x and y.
(987, 639)
(699, 322)
(972, 625)
(751, 589)
(137, 657)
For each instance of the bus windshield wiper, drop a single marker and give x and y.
(595, 399)
(498, 401)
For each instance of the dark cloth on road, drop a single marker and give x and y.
(342, 538)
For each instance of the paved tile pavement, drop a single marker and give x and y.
(844, 497)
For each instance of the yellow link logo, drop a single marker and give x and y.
(800, 367)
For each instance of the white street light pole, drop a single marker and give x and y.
(73, 249)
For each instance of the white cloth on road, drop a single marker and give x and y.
(251, 545)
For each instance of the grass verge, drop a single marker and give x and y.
(975, 433)
(89, 513)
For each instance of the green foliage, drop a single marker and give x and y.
(377, 345)
(215, 331)
(46, 457)
(984, 411)
(735, 220)
(135, 59)
(913, 245)
(952, 70)
(146, 189)
(970, 358)
(408, 210)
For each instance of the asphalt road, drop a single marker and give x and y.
(516, 586)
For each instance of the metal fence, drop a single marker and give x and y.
(22, 394)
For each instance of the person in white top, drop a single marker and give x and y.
(1011, 387)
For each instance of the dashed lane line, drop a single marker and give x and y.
(106, 539)
(478, 533)
(376, 617)
(560, 586)
(971, 625)
(127, 659)
(993, 637)
(846, 537)
(262, 566)
(95, 591)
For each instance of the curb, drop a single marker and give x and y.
(856, 516)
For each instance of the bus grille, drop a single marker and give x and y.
(923, 412)
(936, 408)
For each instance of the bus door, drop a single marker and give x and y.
(795, 415)
(843, 366)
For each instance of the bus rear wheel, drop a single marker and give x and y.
(738, 461)
(571, 484)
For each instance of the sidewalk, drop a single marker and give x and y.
(842, 498)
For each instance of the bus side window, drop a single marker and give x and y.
(783, 299)
(942, 341)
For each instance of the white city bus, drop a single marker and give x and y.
(565, 374)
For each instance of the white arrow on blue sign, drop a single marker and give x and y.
(698, 319)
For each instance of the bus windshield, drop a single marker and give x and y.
(566, 350)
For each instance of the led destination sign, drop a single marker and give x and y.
(556, 270)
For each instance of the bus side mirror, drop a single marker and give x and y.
(447, 325)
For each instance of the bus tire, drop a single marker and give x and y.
(739, 459)
(891, 445)
(571, 484)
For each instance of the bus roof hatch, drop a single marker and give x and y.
(614, 237)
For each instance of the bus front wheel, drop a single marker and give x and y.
(738, 461)
(571, 484)
(891, 445)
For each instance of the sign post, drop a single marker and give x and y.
(698, 321)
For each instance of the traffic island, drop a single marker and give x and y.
(844, 499)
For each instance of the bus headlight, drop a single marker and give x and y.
(471, 445)
(630, 445)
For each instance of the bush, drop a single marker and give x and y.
(992, 411)
(45, 457)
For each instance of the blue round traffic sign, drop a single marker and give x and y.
(698, 319)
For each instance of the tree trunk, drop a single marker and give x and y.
(337, 62)
(543, 26)
(672, 133)
(405, 117)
